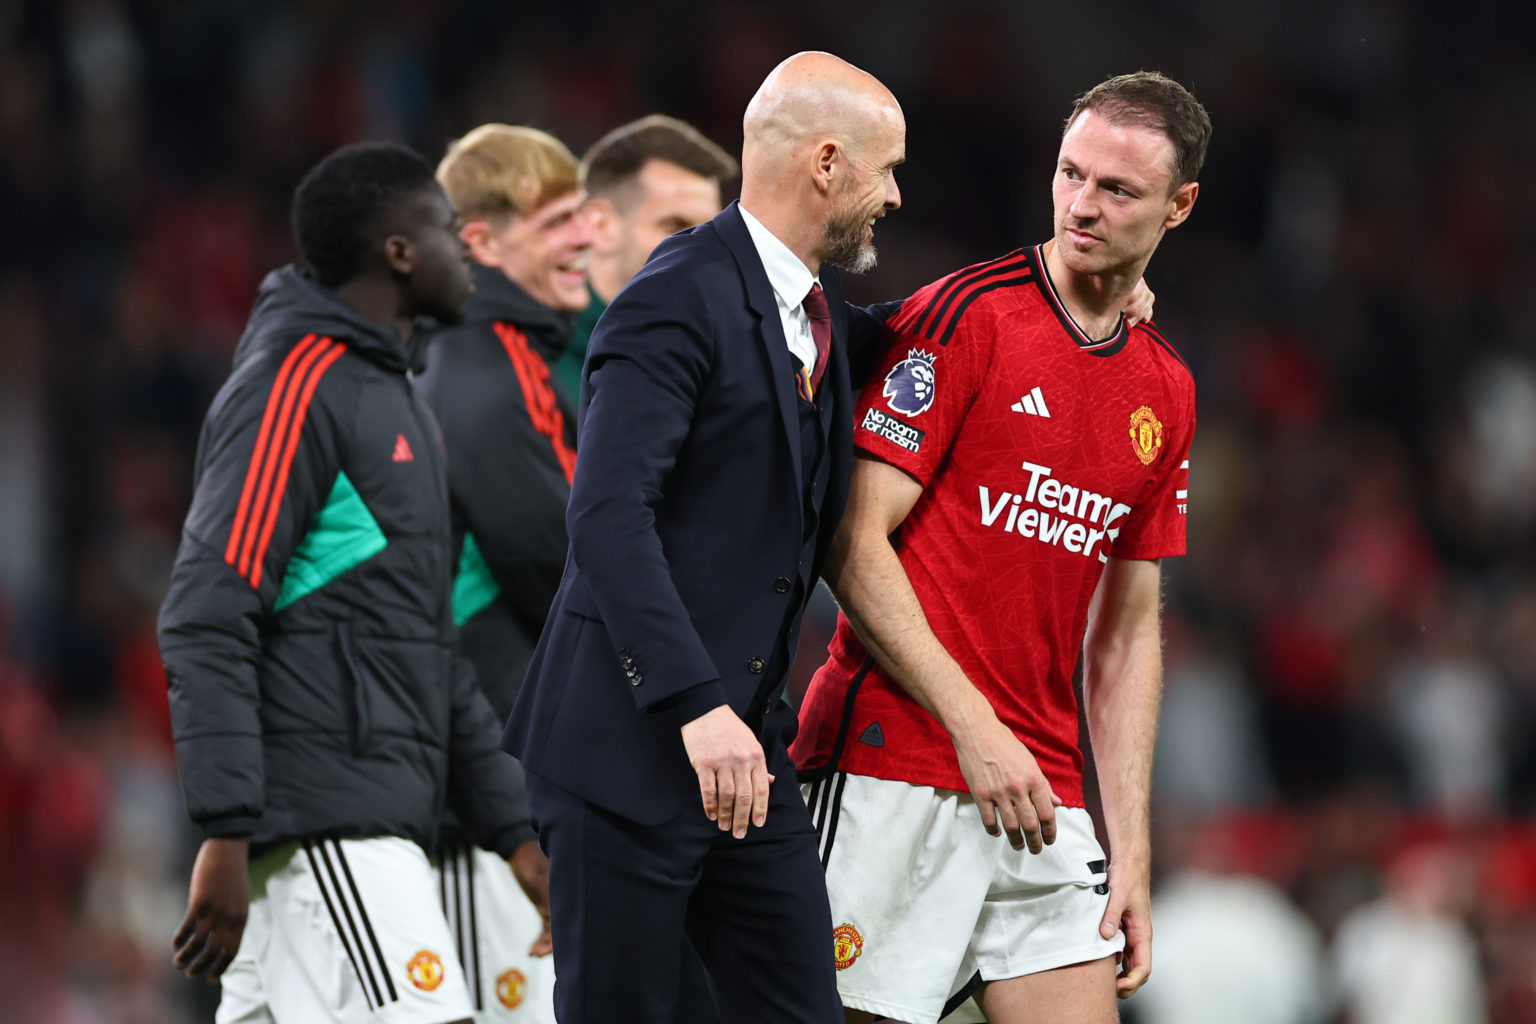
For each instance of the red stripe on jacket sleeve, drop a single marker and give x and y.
(270, 520)
(274, 449)
(274, 399)
(538, 396)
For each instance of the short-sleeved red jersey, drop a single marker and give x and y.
(1041, 452)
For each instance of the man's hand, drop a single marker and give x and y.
(733, 774)
(1139, 306)
(531, 869)
(1130, 910)
(218, 901)
(1009, 787)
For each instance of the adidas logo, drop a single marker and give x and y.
(874, 735)
(1032, 404)
(403, 450)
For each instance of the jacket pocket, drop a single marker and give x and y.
(403, 690)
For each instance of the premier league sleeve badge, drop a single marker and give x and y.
(909, 387)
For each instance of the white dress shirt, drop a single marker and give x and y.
(791, 281)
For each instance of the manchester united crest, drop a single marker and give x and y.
(425, 970)
(847, 944)
(1146, 435)
(512, 988)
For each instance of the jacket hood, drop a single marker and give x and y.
(290, 303)
(497, 298)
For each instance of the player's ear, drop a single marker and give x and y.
(1181, 203)
(483, 244)
(829, 166)
(399, 254)
(603, 219)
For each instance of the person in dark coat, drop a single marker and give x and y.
(321, 714)
(511, 438)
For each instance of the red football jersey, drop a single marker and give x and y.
(1041, 452)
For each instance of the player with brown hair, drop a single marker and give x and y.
(1023, 468)
(645, 180)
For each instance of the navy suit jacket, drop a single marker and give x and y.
(686, 522)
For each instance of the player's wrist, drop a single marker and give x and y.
(1130, 861)
(969, 718)
(229, 846)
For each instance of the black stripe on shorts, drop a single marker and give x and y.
(474, 927)
(346, 930)
(831, 811)
(362, 912)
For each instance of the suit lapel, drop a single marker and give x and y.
(781, 376)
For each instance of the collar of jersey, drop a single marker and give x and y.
(1100, 346)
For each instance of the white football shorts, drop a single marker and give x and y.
(926, 906)
(493, 924)
(344, 930)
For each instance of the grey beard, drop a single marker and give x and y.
(846, 248)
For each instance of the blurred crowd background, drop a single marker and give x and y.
(1346, 774)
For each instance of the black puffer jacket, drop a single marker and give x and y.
(511, 437)
(307, 634)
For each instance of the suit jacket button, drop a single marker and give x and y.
(781, 584)
(755, 665)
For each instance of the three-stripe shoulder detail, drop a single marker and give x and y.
(938, 318)
(266, 475)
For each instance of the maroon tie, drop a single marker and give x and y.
(816, 308)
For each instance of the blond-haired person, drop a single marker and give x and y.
(511, 452)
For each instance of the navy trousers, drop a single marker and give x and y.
(626, 900)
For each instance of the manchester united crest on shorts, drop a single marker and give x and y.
(425, 970)
(847, 944)
(512, 988)
(1146, 435)
(909, 386)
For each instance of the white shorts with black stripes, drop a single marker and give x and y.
(344, 930)
(493, 924)
(926, 905)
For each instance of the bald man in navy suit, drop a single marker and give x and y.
(716, 448)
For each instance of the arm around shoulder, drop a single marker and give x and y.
(867, 338)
